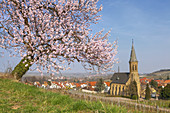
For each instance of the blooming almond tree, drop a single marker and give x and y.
(53, 34)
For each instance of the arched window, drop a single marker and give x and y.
(132, 67)
(127, 90)
(119, 89)
(136, 67)
(123, 90)
(116, 90)
(113, 90)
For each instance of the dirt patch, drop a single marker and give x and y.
(9, 76)
(1, 75)
(15, 107)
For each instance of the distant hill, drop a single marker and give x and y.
(162, 72)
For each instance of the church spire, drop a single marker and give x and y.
(133, 54)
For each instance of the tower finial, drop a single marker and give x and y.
(132, 40)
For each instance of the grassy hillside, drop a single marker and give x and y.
(17, 97)
(163, 72)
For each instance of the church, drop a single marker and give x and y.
(120, 82)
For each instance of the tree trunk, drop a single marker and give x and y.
(21, 68)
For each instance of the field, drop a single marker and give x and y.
(18, 97)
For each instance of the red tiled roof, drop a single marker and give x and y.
(45, 82)
(107, 83)
(78, 85)
(72, 83)
(144, 80)
(82, 83)
(167, 81)
(159, 81)
(54, 82)
(93, 83)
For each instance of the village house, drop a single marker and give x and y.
(145, 80)
(107, 87)
(166, 82)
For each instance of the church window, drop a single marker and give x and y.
(119, 89)
(113, 90)
(133, 67)
(123, 90)
(116, 91)
(136, 67)
(132, 76)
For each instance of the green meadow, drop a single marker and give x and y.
(17, 97)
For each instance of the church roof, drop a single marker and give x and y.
(133, 54)
(120, 78)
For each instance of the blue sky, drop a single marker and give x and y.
(146, 21)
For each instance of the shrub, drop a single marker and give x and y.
(165, 92)
(135, 97)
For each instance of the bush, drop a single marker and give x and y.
(135, 97)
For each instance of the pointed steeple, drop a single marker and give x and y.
(133, 54)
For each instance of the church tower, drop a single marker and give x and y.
(121, 82)
(133, 67)
(133, 62)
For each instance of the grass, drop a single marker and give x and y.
(18, 97)
(160, 103)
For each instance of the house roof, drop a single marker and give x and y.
(107, 83)
(167, 81)
(92, 83)
(159, 81)
(145, 80)
(78, 85)
(120, 78)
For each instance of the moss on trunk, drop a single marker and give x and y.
(21, 68)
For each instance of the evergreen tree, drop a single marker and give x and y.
(133, 90)
(168, 77)
(100, 85)
(49, 83)
(147, 92)
(154, 84)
